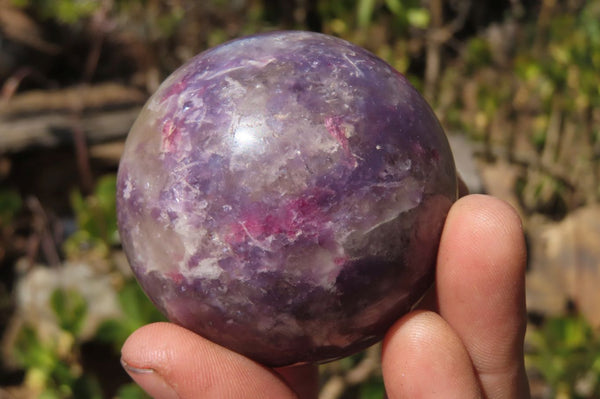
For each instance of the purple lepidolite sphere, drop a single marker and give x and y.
(283, 195)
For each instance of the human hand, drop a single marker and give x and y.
(465, 341)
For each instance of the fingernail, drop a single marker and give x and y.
(150, 381)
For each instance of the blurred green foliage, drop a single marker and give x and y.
(406, 13)
(96, 220)
(478, 54)
(567, 61)
(373, 388)
(65, 11)
(52, 358)
(137, 312)
(566, 351)
(529, 89)
(131, 391)
(10, 205)
(70, 309)
(52, 363)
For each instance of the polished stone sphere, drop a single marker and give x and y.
(283, 195)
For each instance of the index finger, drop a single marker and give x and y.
(481, 290)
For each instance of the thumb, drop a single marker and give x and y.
(168, 361)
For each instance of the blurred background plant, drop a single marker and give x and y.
(566, 353)
(516, 80)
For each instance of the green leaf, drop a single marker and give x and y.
(96, 217)
(567, 332)
(10, 205)
(131, 391)
(478, 53)
(31, 352)
(87, 387)
(372, 389)
(80, 209)
(138, 311)
(50, 394)
(71, 11)
(364, 12)
(395, 6)
(105, 192)
(418, 17)
(564, 350)
(82, 241)
(113, 332)
(20, 3)
(70, 308)
(64, 377)
(136, 305)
